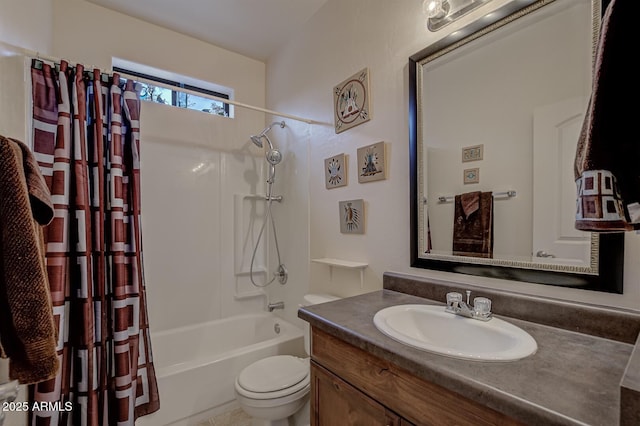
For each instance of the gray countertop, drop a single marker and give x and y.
(572, 379)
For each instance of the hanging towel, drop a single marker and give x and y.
(607, 164)
(473, 224)
(429, 243)
(27, 332)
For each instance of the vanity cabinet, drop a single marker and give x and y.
(350, 386)
(335, 402)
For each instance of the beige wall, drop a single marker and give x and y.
(24, 24)
(82, 33)
(14, 95)
(342, 38)
(27, 23)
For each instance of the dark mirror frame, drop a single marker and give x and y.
(611, 245)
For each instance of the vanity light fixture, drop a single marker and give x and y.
(435, 9)
(439, 13)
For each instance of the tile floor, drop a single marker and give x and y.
(235, 417)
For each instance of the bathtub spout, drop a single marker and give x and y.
(274, 306)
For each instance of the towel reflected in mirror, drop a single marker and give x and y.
(473, 225)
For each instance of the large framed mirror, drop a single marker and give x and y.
(495, 110)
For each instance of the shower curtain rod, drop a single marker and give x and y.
(223, 100)
(38, 55)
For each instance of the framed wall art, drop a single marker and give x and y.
(335, 171)
(471, 176)
(351, 216)
(351, 101)
(372, 163)
(472, 153)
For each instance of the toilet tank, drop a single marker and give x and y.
(313, 299)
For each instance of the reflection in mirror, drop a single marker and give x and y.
(496, 120)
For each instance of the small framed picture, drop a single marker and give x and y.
(351, 216)
(472, 153)
(351, 101)
(471, 176)
(371, 163)
(335, 171)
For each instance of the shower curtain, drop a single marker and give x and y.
(87, 142)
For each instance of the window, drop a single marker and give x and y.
(177, 97)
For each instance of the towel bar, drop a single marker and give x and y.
(504, 194)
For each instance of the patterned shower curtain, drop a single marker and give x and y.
(87, 142)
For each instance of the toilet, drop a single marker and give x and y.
(275, 388)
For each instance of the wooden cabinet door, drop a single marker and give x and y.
(383, 383)
(335, 402)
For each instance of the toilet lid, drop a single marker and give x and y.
(274, 373)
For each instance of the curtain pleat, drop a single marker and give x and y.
(87, 143)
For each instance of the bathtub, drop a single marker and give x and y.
(196, 366)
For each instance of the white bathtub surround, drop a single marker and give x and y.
(204, 172)
(197, 365)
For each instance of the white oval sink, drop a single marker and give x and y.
(430, 328)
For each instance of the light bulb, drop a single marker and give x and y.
(433, 8)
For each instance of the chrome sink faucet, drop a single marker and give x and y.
(480, 310)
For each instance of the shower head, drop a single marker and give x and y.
(273, 157)
(257, 139)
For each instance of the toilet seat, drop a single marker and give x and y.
(274, 377)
